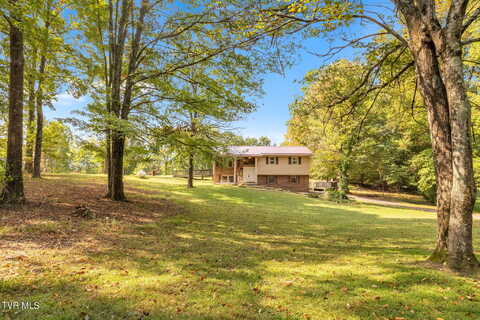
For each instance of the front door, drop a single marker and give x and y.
(249, 174)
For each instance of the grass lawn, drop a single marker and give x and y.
(220, 252)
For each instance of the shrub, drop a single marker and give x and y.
(336, 195)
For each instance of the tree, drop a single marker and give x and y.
(52, 51)
(435, 39)
(13, 192)
(204, 103)
(438, 52)
(355, 141)
(57, 139)
(335, 130)
(237, 140)
(31, 89)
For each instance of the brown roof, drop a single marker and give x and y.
(266, 151)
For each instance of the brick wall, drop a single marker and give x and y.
(284, 183)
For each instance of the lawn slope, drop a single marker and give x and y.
(220, 252)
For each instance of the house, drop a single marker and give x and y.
(281, 167)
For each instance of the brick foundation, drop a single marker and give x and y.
(283, 182)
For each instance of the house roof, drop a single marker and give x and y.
(268, 151)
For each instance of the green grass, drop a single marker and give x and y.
(238, 253)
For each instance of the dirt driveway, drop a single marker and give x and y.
(401, 205)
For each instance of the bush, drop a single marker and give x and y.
(336, 195)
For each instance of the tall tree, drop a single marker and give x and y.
(435, 38)
(336, 130)
(31, 89)
(40, 94)
(13, 192)
(191, 153)
(437, 49)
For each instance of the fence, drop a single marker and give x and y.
(324, 185)
(204, 173)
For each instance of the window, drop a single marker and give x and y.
(294, 160)
(227, 179)
(272, 160)
(271, 179)
(293, 179)
(230, 163)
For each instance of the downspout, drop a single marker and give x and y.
(213, 171)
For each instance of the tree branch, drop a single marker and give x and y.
(470, 41)
(471, 19)
(384, 26)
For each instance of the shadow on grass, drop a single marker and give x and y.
(247, 254)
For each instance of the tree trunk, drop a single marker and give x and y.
(37, 159)
(117, 39)
(344, 180)
(118, 148)
(108, 163)
(30, 122)
(460, 246)
(13, 192)
(190, 170)
(435, 98)
(120, 108)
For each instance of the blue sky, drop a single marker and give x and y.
(280, 90)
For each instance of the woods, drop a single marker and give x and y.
(167, 82)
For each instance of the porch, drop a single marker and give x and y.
(236, 170)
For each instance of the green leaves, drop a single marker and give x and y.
(368, 137)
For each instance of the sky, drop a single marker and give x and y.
(270, 118)
(272, 114)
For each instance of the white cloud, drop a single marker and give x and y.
(66, 100)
